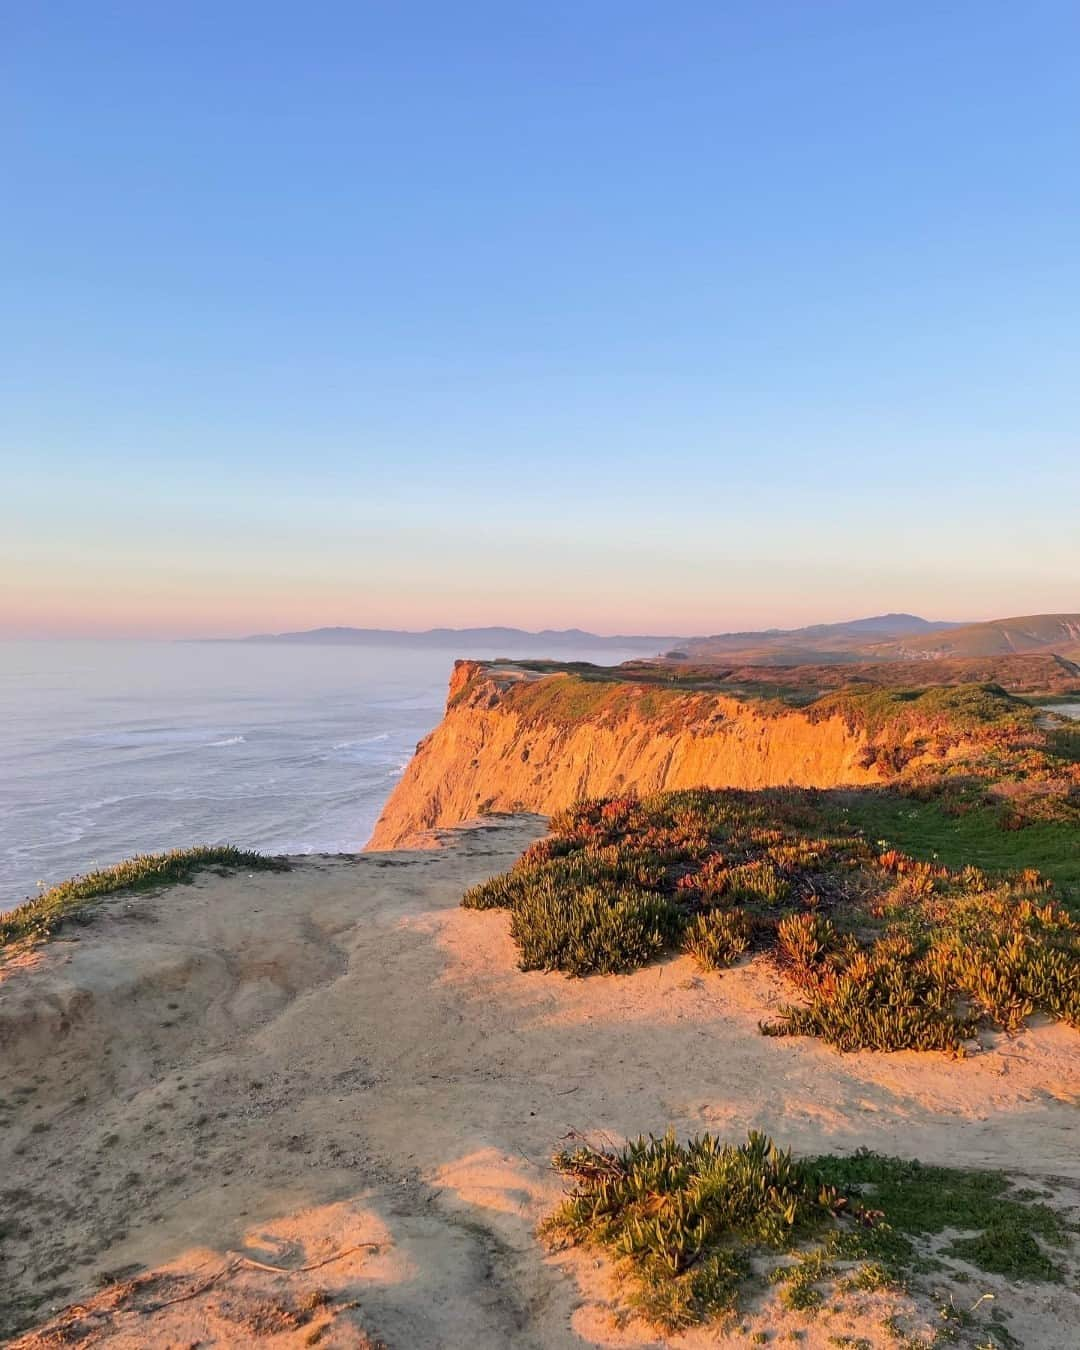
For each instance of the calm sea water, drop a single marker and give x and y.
(112, 748)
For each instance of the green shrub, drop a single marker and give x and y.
(591, 866)
(718, 937)
(683, 1219)
(760, 880)
(887, 951)
(683, 1223)
(805, 940)
(500, 892)
(592, 929)
(895, 1010)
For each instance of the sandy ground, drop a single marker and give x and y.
(317, 1108)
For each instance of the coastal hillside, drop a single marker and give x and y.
(891, 637)
(1037, 676)
(534, 737)
(831, 642)
(1043, 633)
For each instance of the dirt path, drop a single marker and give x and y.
(289, 1066)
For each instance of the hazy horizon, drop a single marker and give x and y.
(609, 632)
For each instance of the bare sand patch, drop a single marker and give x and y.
(281, 1063)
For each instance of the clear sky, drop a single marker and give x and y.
(669, 316)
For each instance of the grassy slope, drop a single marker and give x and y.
(961, 709)
(999, 637)
(1041, 676)
(42, 916)
(969, 743)
(926, 830)
(582, 694)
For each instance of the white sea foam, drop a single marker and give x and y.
(149, 738)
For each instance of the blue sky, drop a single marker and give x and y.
(630, 315)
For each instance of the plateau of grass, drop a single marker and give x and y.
(567, 699)
(43, 915)
(928, 830)
(688, 1223)
(887, 950)
(962, 707)
(633, 672)
(694, 679)
(575, 691)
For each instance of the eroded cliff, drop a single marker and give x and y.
(516, 739)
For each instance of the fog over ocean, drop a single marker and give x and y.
(113, 748)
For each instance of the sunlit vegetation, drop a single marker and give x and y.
(568, 699)
(928, 829)
(967, 746)
(882, 950)
(43, 915)
(963, 744)
(997, 1227)
(937, 710)
(695, 1228)
(683, 1219)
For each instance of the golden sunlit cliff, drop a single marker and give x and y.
(533, 736)
(513, 739)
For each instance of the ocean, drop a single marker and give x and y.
(108, 749)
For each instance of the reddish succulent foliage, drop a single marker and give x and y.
(886, 951)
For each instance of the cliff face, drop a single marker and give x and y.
(514, 740)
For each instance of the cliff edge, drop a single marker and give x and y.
(518, 739)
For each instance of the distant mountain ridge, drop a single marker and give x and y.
(461, 639)
(879, 637)
(879, 625)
